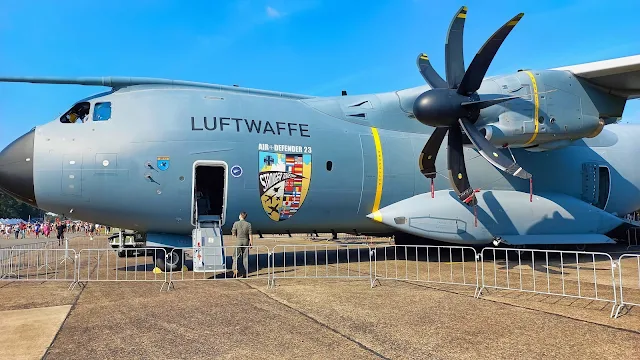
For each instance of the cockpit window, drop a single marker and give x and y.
(77, 114)
(102, 111)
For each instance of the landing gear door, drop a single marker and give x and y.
(208, 251)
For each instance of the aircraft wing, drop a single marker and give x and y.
(620, 76)
(119, 82)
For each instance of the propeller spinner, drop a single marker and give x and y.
(454, 105)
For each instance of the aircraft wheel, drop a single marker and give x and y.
(172, 262)
(122, 253)
(581, 247)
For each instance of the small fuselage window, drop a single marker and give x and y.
(102, 111)
(77, 114)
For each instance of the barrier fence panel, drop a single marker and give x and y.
(585, 275)
(217, 263)
(42, 264)
(111, 265)
(632, 238)
(36, 245)
(629, 281)
(321, 261)
(52, 244)
(456, 265)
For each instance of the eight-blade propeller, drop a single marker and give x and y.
(453, 105)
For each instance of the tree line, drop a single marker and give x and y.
(11, 208)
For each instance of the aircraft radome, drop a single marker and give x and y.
(532, 157)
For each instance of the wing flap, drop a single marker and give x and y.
(620, 76)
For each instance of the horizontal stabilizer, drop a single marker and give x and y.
(620, 76)
(119, 82)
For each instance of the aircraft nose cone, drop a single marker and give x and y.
(16, 168)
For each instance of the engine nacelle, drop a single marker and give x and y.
(554, 108)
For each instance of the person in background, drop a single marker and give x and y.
(36, 230)
(60, 227)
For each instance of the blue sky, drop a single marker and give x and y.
(316, 47)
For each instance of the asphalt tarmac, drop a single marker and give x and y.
(312, 318)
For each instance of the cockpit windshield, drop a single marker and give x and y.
(77, 114)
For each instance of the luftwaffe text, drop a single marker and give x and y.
(251, 126)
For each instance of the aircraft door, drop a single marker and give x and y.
(596, 184)
(209, 197)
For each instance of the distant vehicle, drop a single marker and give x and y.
(128, 243)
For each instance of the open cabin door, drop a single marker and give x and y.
(209, 195)
(209, 203)
(596, 184)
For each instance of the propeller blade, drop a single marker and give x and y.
(455, 162)
(481, 104)
(478, 69)
(428, 155)
(489, 152)
(453, 54)
(429, 73)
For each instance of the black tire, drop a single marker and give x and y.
(173, 262)
(122, 253)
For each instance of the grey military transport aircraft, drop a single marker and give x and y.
(532, 157)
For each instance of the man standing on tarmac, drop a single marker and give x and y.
(242, 231)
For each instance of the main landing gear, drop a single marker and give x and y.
(173, 260)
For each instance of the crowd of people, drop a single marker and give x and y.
(50, 229)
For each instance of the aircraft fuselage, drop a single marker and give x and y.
(355, 155)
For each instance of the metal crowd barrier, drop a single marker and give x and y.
(5, 256)
(631, 293)
(43, 264)
(330, 260)
(431, 264)
(216, 263)
(573, 274)
(632, 238)
(563, 273)
(108, 265)
(51, 243)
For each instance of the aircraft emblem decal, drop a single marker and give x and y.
(163, 163)
(236, 171)
(283, 179)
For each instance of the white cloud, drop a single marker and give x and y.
(273, 13)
